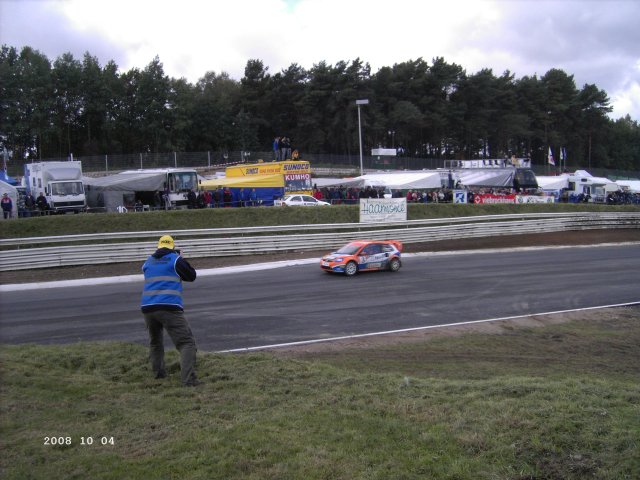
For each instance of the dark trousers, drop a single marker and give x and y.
(178, 329)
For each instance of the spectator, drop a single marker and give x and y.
(253, 197)
(409, 196)
(200, 201)
(192, 199)
(7, 206)
(157, 199)
(335, 196)
(206, 198)
(29, 204)
(42, 204)
(227, 197)
(276, 149)
(217, 197)
(165, 199)
(285, 148)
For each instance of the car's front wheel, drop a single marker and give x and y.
(394, 264)
(350, 269)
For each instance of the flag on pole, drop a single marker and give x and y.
(551, 160)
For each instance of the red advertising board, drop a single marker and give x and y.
(488, 198)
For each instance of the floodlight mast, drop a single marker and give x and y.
(358, 103)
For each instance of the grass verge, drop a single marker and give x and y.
(262, 216)
(559, 401)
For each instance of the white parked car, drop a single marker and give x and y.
(299, 201)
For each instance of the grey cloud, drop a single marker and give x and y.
(23, 23)
(595, 41)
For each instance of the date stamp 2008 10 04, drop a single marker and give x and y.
(83, 441)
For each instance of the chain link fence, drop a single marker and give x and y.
(218, 160)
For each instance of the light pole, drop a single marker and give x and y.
(358, 103)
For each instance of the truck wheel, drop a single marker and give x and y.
(351, 269)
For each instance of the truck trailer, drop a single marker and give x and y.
(60, 182)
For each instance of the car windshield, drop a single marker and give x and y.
(349, 249)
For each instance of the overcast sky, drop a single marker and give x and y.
(597, 41)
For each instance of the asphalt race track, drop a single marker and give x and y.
(297, 303)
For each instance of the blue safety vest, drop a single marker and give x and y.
(162, 284)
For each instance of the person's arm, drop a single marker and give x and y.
(185, 270)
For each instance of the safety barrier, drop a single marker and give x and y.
(93, 249)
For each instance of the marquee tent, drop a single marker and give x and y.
(113, 191)
(129, 182)
(502, 177)
(394, 181)
(426, 179)
(632, 186)
(553, 183)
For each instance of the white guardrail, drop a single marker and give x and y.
(93, 249)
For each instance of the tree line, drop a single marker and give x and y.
(437, 110)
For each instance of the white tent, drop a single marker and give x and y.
(113, 191)
(394, 181)
(631, 186)
(502, 177)
(553, 182)
(586, 178)
(128, 182)
(426, 179)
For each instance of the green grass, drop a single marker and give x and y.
(245, 217)
(560, 401)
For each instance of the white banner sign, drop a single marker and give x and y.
(380, 210)
(534, 199)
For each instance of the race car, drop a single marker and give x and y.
(362, 256)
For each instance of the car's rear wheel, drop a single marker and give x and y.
(394, 264)
(350, 269)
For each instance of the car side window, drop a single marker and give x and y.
(295, 199)
(307, 198)
(372, 249)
